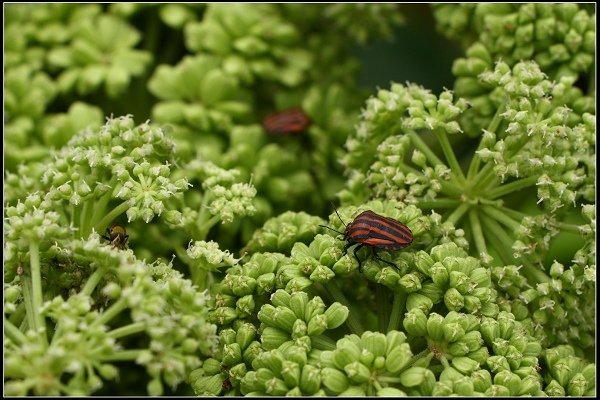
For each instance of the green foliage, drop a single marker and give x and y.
(236, 277)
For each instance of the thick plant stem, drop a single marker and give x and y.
(111, 312)
(130, 329)
(353, 321)
(36, 292)
(93, 281)
(398, 308)
(492, 127)
(13, 333)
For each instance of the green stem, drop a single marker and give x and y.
(20, 313)
(566, 227)
(498, 238)
(398, 308)
(203, 230)
(93, 281)
(423, 148)
(323, 342)
(84, 219)
(124, 355)
(130, 329)
(111, 312)
(383, 306)
(501, 217)
(514, 186)
(13, 333)
(442, 137)
(477, 232)
(114, 213)
(476, 161)
(28, 300)
(36, 292)
(439, 203)
(353, 321)
(99, 209)
(458, 213)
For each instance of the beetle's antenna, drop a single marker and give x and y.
(331, 229)
(336, 211)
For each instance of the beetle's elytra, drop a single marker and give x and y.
(293, 121)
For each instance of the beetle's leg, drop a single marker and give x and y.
(356, 256)
(381, 259)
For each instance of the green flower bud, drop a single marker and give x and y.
(314, 307)
(379, 362)
(490, 330)
(432, 291)
(245, 335)
(453, 300)
(290, 372)
(253, 350)
(442, 389)
(464, 365)
(509, 380)
(366, 358)
(357, 372)
(353, 391)
(480, 355)
(245, 305)
(435, 324)
(506, 324)
(321, 274)
(317, 325)
(211, 367)
(423, 262)
(275, 386)
(334, 380)
(482, 380)
(272, 338)
(458, 349)
(417, 300)
(497, 364)
(410, 282)
(394, 339)
(265, 283)
(415, 322)
(280, 298)
(310, 379)
(232, 354)
(236, 373)
(453, 331)
(398, 358)
(250, 383)
(205, 384)
(223, 315)
(390, 392)
(459, 281)
(450, 374)
(298, 302)
(530, 385)
(464, 386)
(439, 275)
(497, 391)
(298, 284)
(299, 329)
(336, 314)
(374, 342)
(413, 376)
(345, 355)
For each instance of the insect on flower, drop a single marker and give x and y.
(376, 231)
(293, 121)
(117, 236)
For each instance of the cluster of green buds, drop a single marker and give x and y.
(255, 43)
(568, 374)
(199, 100)
(372, 364)
(76, 356)
(559, 38)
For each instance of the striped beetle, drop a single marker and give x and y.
(292, 121)
(376, 231)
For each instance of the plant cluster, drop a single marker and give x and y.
(236, 279)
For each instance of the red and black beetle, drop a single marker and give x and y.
(293, 121)
(376, 231)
